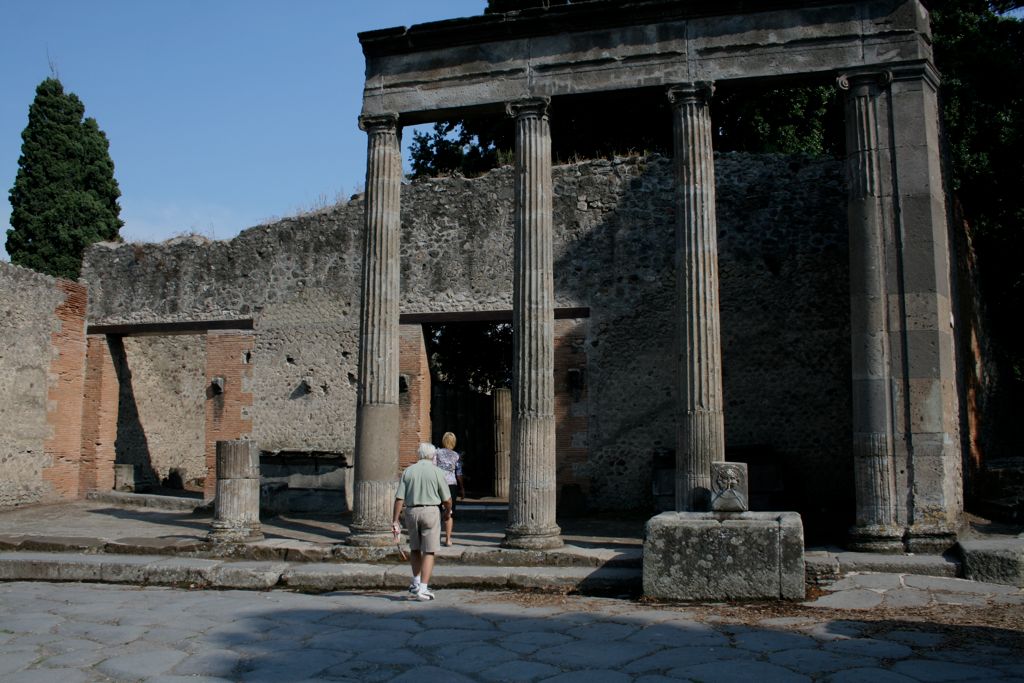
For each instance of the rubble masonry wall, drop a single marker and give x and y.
(784, 309)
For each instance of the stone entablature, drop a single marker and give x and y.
(430, 71)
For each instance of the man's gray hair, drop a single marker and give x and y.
(426, 450)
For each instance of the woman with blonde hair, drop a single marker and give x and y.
(451, 464)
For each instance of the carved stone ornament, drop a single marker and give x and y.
(729, 487)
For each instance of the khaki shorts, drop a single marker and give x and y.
(423, 524)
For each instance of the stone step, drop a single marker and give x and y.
(315, 577)
(292, 550)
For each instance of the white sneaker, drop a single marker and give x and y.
(414, 588)
(424, 594)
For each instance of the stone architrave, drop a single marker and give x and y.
(502, 440)
(701, 430)
(531, 510)
(236, 516)
(377, 423)
(871, 234)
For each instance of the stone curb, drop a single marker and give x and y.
(824, 566)
(289, 550)
(994, 561)
(308, 577)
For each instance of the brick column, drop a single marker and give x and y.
(99, 416)
(532, 492)
(701, 429)
(870, 218)
(66, 392)
(502, 440)
(377, 428)
(228, 395)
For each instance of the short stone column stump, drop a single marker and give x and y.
(724, 556)
(236, 516)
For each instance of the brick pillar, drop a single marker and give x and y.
(701, 427)
(377, 423)
(532, 486)
(66, 392)
(99, 416)
(502, 440)
(413, 393)
(229, 358)
(871, 244)
(571, 421)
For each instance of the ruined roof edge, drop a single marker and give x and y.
(571, 18)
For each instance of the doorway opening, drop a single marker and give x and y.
(468, 360)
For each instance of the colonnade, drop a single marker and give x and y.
(893, 409)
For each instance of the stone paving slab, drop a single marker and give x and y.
(96, 633)
(866, 591)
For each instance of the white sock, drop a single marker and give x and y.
(416, 580)
(423, 587)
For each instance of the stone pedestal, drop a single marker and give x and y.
(723, 556)
(236, 515)
(124, 478)
(701, 428)
(377, 423)
(502, 440)
(531, 508)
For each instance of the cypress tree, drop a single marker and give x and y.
(64, 195)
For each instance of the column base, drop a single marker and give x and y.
(234, 534)
(533, 539)
(930, 539)
(370, 538)
(876, 538)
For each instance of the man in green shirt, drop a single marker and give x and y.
(422, 490)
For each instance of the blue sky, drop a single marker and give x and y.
(221, 114)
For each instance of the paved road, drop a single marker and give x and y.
(65, 633)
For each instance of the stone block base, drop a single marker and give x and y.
(724, 556)
(994, 561)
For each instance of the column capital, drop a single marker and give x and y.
(855, 81)
(532, 107)
(698, 92)
(379, 123)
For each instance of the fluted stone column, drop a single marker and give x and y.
(236, 515)
(377, 428)
(502, 440)
(531, 510)
(871, 228)
(701, 428)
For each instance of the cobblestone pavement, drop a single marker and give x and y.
(84, 632)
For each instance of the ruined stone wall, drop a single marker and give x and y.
(784, 292)
(42, 364)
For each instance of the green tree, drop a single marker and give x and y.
(64, 195)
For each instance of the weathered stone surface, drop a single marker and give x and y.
(27, 303)
(327, 577)
(715, 556)
(994, 561)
